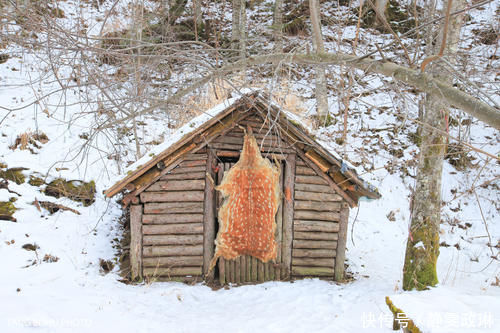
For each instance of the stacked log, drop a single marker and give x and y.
(315, 225)
(172, 222)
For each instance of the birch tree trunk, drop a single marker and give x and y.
(422, 249)
(319, 48)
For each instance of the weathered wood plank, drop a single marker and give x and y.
(314, 244)
(173, 271)
(184, 176)
(271, 270)
(255, 124)
(173, 261)
(312, 196)
(189, 170)
(305, 171)
(314, 253)
(321, 235)
(173, 207)
(326, 177)
(279, 229)
(341, 244)
(209, 216)
(237, 270)
(172, 239)
(264, 149)
(313, 262)
(317, 206)
(222, 271)
(300, 162)
(180, 196)
(173, 250)
(314, 188)
(177, 229)
(289, 193)
(268, 141)
(171, 218)
(243, 267)
(316, 216)
(248, 268)
(192, 163)
(302, 179)
(266, 271)
(197, 156)
(255, 269)
(260, 271)
(312, 271)
(136, 241)
(177, 185)
(307, 225)
(238, 133)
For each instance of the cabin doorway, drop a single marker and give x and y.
(248, 269)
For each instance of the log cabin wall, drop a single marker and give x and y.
(316, 224)
(172, 221)
(174, 226)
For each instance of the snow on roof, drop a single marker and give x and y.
(177, 135)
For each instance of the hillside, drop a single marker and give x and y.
(73, 107)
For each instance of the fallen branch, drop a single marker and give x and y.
(53, 207)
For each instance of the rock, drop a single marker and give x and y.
(14, 174)
(30, 247)
(73, 189)
(106, 266)
(7, 209)
(36, 181)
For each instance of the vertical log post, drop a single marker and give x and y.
(136, 241)
(286, 253)
(341, 242)
(209, 216)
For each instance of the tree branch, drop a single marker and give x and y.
(422, 81)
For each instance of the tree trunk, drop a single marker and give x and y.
(243, 29)
(235, 30)
(278, 26)
(321, 92)
(197, 18)
(422, 249)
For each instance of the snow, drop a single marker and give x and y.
(419, 244)
(177, 135)
(73, 294)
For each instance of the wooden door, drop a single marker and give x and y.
(247, 269)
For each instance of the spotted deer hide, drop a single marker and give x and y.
(251, 197)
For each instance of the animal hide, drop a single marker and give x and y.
(251, 197)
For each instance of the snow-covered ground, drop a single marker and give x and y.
(73, 294)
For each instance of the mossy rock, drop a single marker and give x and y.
(14, 174)
(36, 181)
(7, 210)
(73, 189)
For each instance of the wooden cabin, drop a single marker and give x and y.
(173, 203)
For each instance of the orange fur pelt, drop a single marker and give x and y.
(251, 197)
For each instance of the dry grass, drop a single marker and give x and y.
(30, 141)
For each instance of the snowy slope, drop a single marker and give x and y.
(74, 294)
